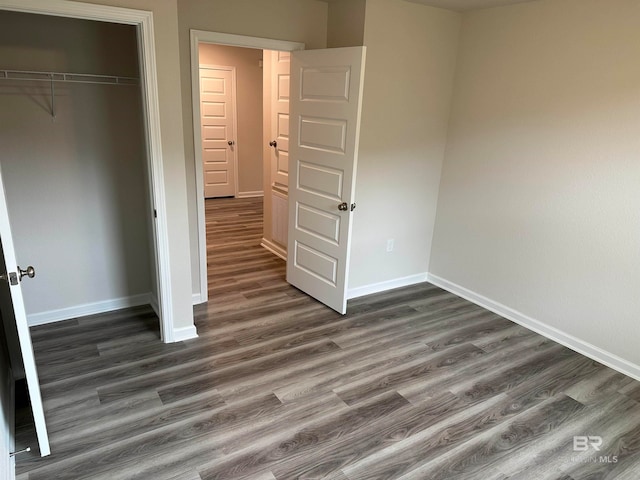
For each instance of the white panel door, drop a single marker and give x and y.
(326, 99)
(12, 309)
(281, 68)
(218, 124)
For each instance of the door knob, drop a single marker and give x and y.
(29, 272)
(231, 143)
(343, 207)
(273, 144)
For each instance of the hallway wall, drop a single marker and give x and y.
(249, 109)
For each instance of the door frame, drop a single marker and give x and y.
(234, 108)
(198, 37)
(143, 21)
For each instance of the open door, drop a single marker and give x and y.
(12, 309)
(325, 106)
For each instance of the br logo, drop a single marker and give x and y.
(582, 443)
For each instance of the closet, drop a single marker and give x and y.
(74, 165)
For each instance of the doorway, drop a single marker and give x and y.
(142, 21)
(77, 140)
(244, 97)
(255, 166)
(231, 89)
(325, 100)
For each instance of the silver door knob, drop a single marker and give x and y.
(273, 144)
(29, 272)
(343, 207)
(230, 143)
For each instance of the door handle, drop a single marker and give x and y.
(231, 143)
(29, 272)
(343, 207)
(273, 143)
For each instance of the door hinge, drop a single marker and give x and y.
(353, 207)
(155, 213)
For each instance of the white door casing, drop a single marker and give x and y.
(218, 127)
(325, 106)
(12, 307)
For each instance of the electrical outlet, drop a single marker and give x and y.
(390, 245)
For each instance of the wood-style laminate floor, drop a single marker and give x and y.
(411, 384)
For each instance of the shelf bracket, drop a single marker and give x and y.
(53, 99)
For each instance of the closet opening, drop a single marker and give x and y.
(75, 170)
(75, 165)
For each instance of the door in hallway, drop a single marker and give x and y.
(218, 124)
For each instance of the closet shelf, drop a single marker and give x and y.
(66, 77)
(54, 77)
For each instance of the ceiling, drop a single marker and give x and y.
(461, 5)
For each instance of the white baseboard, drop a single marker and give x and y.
(196, 299)
(184, 333)
(274, 248)
(83, 310)
(257, 193)
(384, 286)
(596, 353)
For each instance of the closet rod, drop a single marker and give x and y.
(66, 77)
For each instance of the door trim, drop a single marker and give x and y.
(198, 37)
(143, 20)
(197, 133)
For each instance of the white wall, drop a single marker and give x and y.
(539, 199)
(76, 186)
(345, 24)
(411, 55)
(293, 20)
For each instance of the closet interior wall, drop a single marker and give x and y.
(76, 184)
